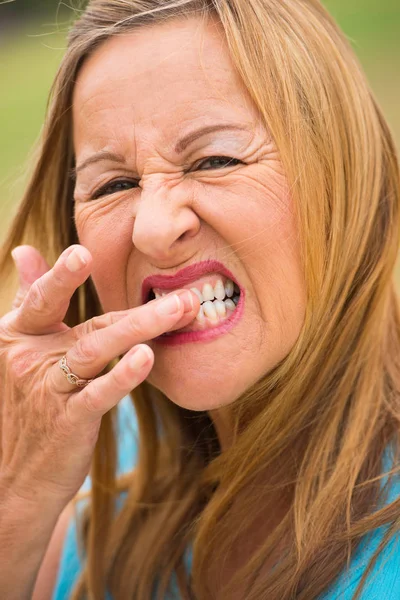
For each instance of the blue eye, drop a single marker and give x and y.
(218, 162)
(113, 187)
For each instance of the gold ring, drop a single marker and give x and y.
(73, 379)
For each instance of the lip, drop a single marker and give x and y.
(185, 276)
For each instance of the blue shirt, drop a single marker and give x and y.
(383, 583)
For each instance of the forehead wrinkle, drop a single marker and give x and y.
(82, 97)
(110, 133)
(216, 95)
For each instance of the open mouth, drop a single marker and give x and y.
(219, 297)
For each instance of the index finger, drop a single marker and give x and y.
(141, 324)
(92, 352)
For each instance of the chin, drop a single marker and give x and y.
(197, 392)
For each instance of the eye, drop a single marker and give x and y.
(113, 187)
(218, 162)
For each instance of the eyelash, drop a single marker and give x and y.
(102, 191)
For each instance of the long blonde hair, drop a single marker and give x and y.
(320, 421)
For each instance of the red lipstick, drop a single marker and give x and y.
(184, 277)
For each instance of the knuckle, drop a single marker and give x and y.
(117, 379)
(101, 321)
(5, 334)
(37, 299)
(115, 317)
(79, 331)
(18, 300)
(87, 349)
(88, 398)
(90, 326)
(134, 326)
(96, 323)
(58, 278)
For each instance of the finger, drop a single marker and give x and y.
(47, 300)
(30, 265)
(94, 351)
(102, 394)
(110, 318)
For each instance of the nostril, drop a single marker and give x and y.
(182, 237)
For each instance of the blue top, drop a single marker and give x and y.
(383, 583)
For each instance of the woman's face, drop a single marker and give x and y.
(158, 113)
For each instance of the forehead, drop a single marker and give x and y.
(158, 77)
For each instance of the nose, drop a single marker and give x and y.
(165, 224)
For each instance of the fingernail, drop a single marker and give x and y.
(169, 306)
(14, 255)
(187, 300)
(27, 272)
(141, 357)
(19, 267)
(75, 261)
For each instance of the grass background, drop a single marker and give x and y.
(30, 54)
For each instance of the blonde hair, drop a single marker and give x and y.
(321, 420)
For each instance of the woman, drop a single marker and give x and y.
(229, 156)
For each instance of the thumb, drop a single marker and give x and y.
(30, 266)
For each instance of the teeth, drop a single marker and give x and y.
(229, 288)
(208, 292)
(220, 308)
(230, 305)
(198, 294)
(219, 290)
(200, 315)
(210, 310)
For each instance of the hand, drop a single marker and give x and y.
(49, 427)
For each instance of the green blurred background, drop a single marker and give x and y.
(32, 41)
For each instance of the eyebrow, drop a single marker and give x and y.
(194, 135)
(179, 148)
(99, 156)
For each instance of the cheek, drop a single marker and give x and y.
(107, 234)
(261, 227)
(254, 215)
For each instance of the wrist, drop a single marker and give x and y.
(28, 497)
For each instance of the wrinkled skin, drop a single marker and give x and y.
(136, 97)
(172, 210)
(49, 427)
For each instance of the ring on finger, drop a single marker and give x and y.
(72, 378)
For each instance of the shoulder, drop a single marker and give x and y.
(383, 580)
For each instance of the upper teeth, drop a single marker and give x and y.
(209, 293)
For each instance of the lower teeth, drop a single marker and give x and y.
(213, 316)
(216, 310)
